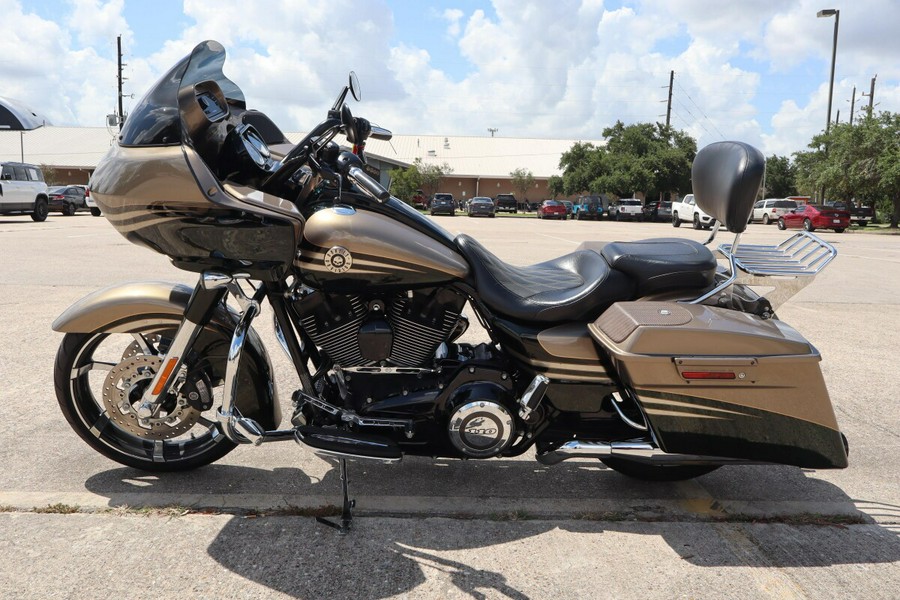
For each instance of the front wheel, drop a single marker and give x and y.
(697, 224)
(645, 472)
(95, 211)
(101, 377)
(41, 210)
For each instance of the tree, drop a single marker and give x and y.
(418, 176)
(858, 162)
(647, 157)
(556, 186)
(522, 181)
(780, 178)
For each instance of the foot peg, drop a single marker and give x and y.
(348, 444)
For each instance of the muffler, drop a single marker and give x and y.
(637, 451)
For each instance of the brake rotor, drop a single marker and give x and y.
(122, 391)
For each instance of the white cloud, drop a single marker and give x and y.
(563, 69)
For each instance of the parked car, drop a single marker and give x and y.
(418, 200)
(814, 216)
(552, 209)
(654, 210)
(506, 203)
(687, 211)
(66, 199)
(443, 204)
(89, 202)
(587, 207)
(630, 209)
(481, 205)
(570, 206)
(23, 191)
(770, 209)
(859, 214)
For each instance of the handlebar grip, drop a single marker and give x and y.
(368, 184)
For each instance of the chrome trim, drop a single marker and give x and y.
(618, 400)
(532, 396)
(228, 415)
(712, 234)
(638, 451)
(279, 335)
(349, 416)
(721, 287)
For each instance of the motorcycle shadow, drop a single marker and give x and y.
(514, 501)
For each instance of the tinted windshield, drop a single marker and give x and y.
(155, 120)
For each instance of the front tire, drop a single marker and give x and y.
(41, 210)
(645, 472)
(697, 224)
(95, 211)
(100, 377)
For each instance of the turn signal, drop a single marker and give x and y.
(167, 371)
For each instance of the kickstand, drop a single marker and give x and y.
(346, 515)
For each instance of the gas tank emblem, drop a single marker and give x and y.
(338, 260)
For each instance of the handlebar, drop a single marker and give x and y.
(350, 165)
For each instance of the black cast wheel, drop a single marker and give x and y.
(100, 378)
(68, 209)
(647, 472)
(41, 210)
(676, 222)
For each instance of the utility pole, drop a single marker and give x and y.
(493, 130)
(669, 106)
(121, 79)
(852, 105)
(871, 95)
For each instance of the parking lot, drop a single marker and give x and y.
(75, 525)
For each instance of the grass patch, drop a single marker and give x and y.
(815, 519)
(58, 509)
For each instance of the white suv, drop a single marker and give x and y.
(770, 209)
(628, 208)
(23, 191)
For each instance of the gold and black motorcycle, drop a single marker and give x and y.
(649, 356)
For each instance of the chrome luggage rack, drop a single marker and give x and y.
(785, 268)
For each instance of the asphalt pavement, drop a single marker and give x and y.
(76, 525)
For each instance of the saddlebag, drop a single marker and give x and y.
(719, 382)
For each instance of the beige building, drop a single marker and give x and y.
(481, 166)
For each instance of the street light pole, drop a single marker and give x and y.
(829, 12)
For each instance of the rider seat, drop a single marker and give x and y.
(575, 287)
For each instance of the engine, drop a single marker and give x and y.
(402, 329)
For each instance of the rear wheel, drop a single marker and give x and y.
(807, 225)
(95, 211)
(647, 472)
(839, 230)
(68, 209)
(676, 222)
(765, 219)
(781, 224)
(100, 379)
(41, 210)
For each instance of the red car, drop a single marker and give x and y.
(813, 216)
(551, 209)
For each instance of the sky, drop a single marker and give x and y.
(753, 70)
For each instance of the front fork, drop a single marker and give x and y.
(208, 293)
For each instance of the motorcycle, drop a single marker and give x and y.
(649, 356)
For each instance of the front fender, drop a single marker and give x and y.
(118, 308)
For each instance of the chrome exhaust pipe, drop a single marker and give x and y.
(637, 451)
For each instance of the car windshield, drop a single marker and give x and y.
(155, 121)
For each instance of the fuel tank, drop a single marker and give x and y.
(349, 249)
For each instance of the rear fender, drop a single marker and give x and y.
(118, 308)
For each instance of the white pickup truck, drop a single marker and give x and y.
(687, 211)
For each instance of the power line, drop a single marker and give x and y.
(701, 111)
